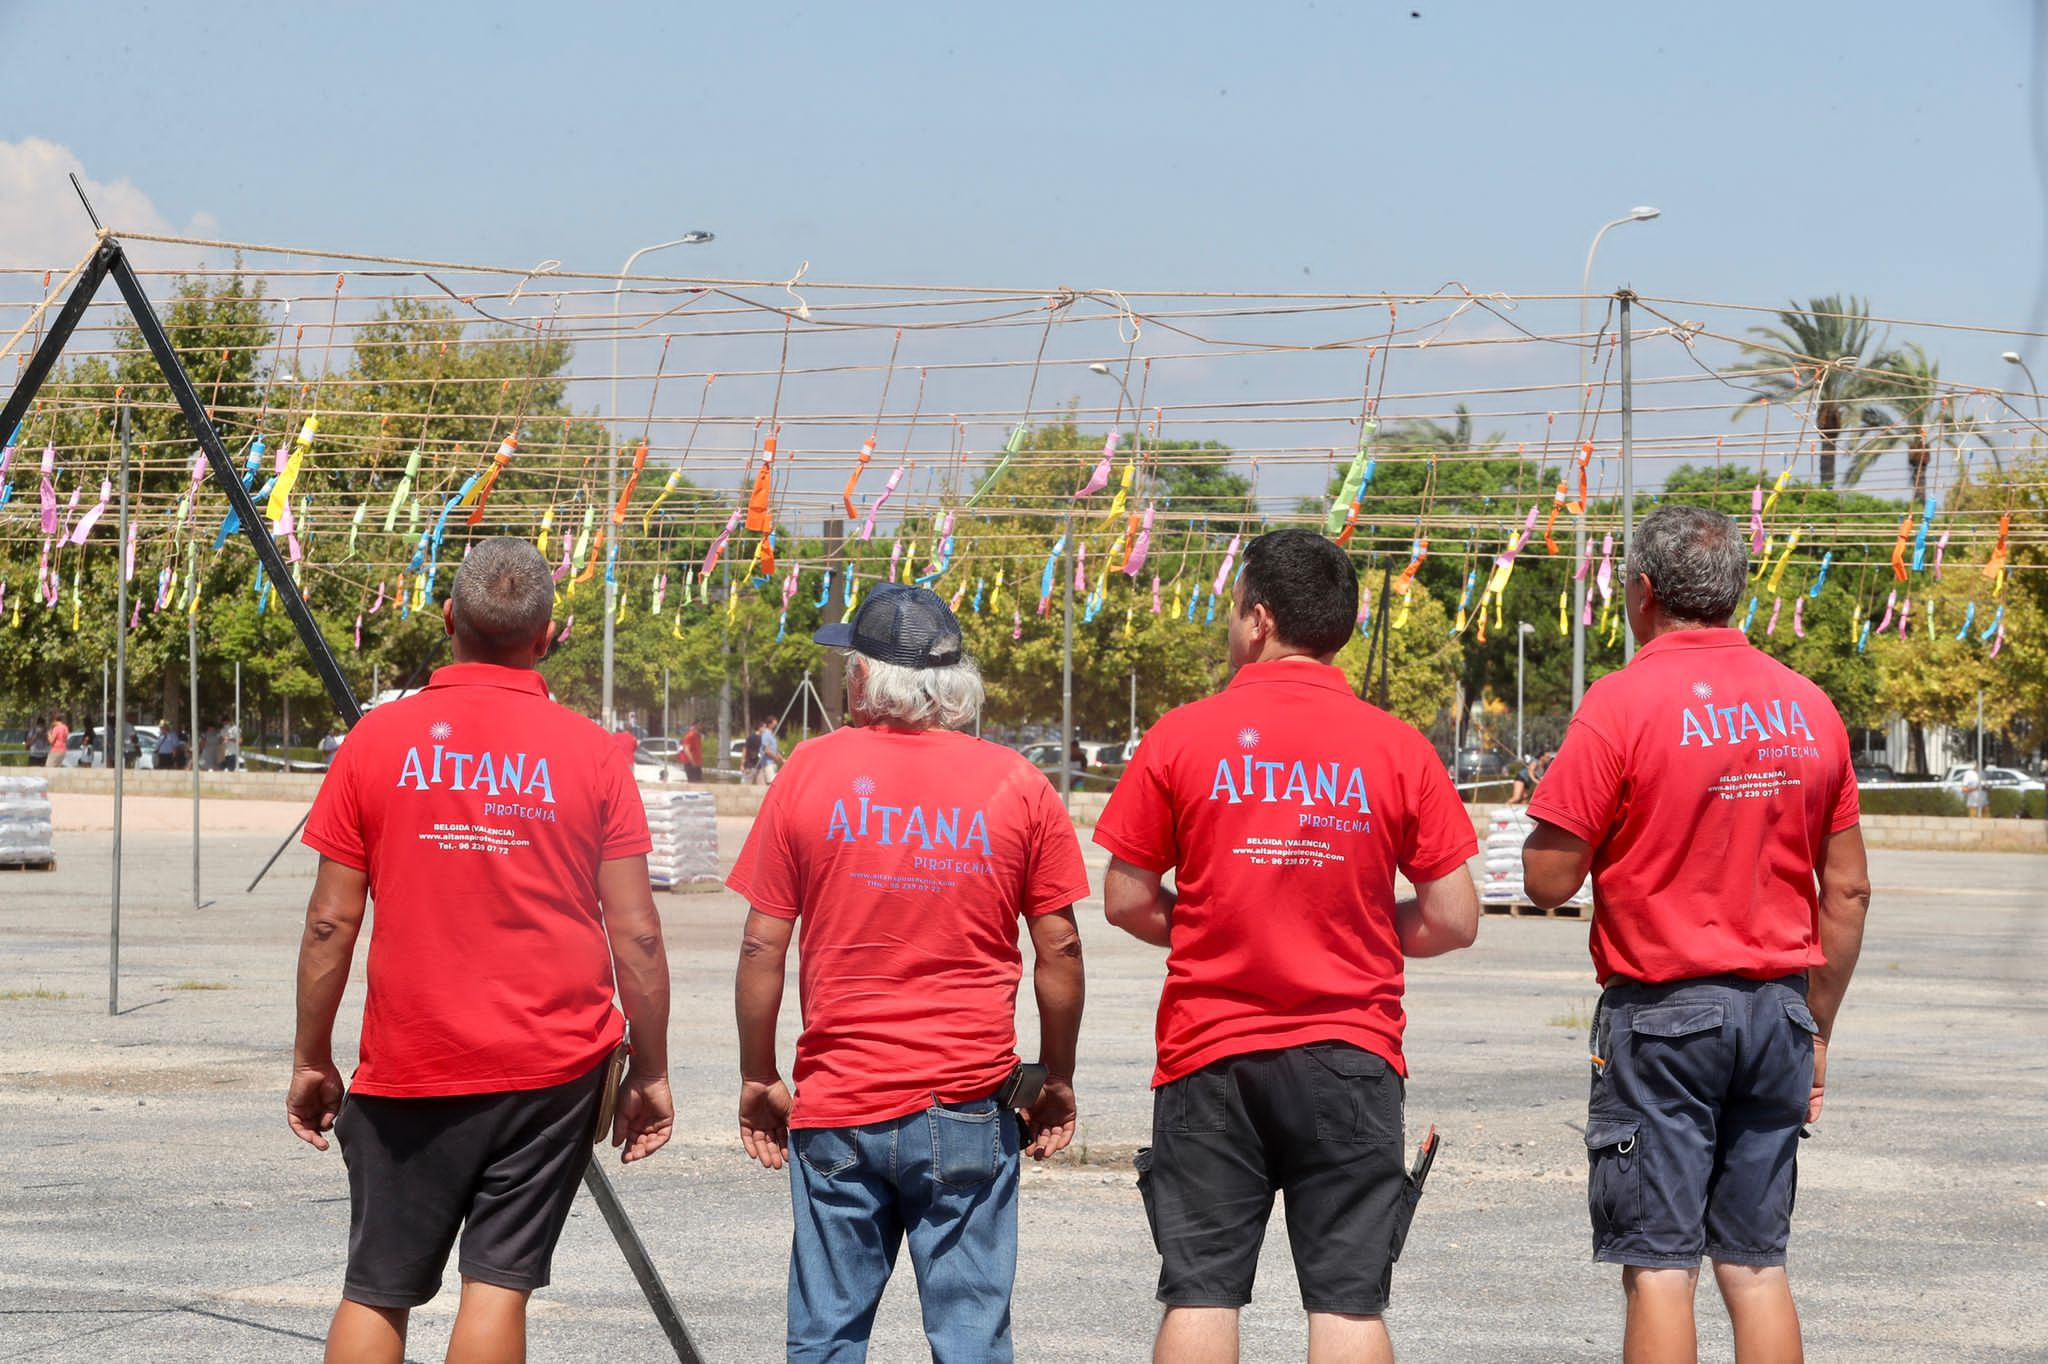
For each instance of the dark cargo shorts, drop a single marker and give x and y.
(501, 1169)
(1321, 1122)
(1692, 1134)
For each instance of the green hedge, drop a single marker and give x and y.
(2018, 805)
(1925, 800)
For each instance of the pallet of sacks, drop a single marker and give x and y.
(1500, 889)
(684, 826)
(27, 838)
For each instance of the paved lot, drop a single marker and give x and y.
(152, 1205)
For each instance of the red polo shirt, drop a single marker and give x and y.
(1705, 775)
(1284, 805)
(481, 810)
(907, 856)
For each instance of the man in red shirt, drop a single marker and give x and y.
(1284, 805)
(901, 854)
(504, 844)
(1705, 786)
(691, 749)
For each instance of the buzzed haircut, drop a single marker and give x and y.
(1307, 582)
(1695, 559)
(504, 595)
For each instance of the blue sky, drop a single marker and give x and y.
(1874, 148)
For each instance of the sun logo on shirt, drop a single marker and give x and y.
(1703, 690)
(440, 731)
(1247, 738)
(863, 786)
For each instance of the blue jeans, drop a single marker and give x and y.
(948, 1177)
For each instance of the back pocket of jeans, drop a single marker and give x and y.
(1354, 1099)
(827, 1151)
(1802, 1017)
(1614, 1184)
(1676, 1020)
(966, 1143)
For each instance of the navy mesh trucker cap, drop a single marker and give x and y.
(910, 627)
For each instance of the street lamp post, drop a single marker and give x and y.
(2013, 357)
(1523, 629)
(1642, 213)
(611, 465)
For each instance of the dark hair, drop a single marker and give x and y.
(1307, 582)
(504, 595)
(1696, 561)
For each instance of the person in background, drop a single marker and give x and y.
(691, 750)
(209, 749)
(230, 747)
(59, 740)
(504, 842)
(770, 759)
(39, 742)
(1976, 800)
(1707, 787)
(902, 854)
(750, 756)
(330, 743)
(170, 747)
(1285, 807)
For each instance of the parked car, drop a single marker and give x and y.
(1866, 773)
(1995, 779)
(1480, 764)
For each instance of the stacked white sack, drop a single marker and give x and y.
(26, 835)
(684, 827)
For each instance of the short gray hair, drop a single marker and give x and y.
(920, 698)
(1695, 560)
(504, 594)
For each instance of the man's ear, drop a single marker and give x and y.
(546, 641)
(448, 617)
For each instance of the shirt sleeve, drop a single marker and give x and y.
(1848, 802)
(1581, 792)
(1440, 834)
(1137, 824)
(766, 874)
(335, 828)
(623, 812)
(1058, 877)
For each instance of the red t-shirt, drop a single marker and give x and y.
(907, 857)
(481, 810)
(1284, 804)
(693, 748)
(1705, 775)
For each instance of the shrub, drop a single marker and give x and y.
(1928, 800)
(2018, 805)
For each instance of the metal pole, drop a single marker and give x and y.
(106, 674)
(1134, 705)
(1067, 665)
(192, 733)
(1628, 468)
(120, 725)
(665, 1311)
(238, 715)
(667, 730)
(1980, 731)
(1521, 634)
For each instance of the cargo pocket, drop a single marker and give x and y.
(1614, 1184)
(1193, 1103)
(1676, 1020)
(1142, 1162)
(1802, 1017)
(1353, 1099)
(966, 1143)
(827, 1151)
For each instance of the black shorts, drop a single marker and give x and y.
(1692, 1134)
(1321, 1122)
(501, 1169)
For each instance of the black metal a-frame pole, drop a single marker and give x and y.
(110, 259)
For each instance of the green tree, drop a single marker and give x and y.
(1827, 352)
(1925, 421)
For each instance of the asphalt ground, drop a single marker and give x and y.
(154, 1207)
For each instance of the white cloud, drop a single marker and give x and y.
(42, 225)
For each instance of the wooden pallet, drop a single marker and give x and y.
(1522, 909)
(50, 865)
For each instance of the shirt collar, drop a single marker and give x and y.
(1725, 638)
(1325, 675)
(489, 675)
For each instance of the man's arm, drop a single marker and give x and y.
(334, 916)
(757, 1000)
(1056, 977)
(1554, 865)
(1443, 916)
(1844, 902)
(646, 1111)
(1134, 900)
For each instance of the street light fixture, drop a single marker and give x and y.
(611, 465)
(2013, 357)
(1641, 213)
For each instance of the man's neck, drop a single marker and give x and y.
(1664, 625)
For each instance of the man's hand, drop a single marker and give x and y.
(1051, 1120)
(1820, 1078)
(764, 1121)
(645, 1116)
(312, 1101)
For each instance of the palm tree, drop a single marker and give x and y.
(1925, 420)
(1827, 350)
